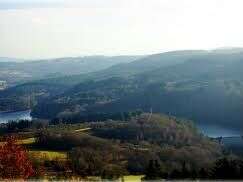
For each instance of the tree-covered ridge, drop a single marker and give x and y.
(160, 129)
(114, 148)
(203, 86)
(206, 88)
(22, 71)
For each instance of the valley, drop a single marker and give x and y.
(155, 110)
(121, 90)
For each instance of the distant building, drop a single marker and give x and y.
(3, 85)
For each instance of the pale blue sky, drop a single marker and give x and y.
(26, 4)
(58, 28)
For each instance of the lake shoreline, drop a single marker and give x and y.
(210, 131)
(16, 115)
(14, 111)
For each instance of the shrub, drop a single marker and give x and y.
(14, 161)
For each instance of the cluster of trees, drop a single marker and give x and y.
(104, 162)
(226, 168)
(110, 159)
(87, 155)
(72, 117)
(26, 124)
(115, 148)
(157, 129)
(67, 140)
(22, 125)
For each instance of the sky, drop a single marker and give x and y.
(34, 29)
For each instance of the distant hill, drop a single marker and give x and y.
(15, 72)
(7, 59)
(127, 70)
(228, 50)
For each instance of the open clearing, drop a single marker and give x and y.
(133, 178)
(48, 155)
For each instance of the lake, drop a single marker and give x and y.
(218, 131)
(231, 139)
(8, 116)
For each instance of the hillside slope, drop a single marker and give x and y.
(205, 86)
(19, 72)
(207, 89)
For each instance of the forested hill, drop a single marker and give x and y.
(205, 86)
(127, 70)
(15, 71)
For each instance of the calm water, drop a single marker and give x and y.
(218, 131)
(8, 116)
(231, 140)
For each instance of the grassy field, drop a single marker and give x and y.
(43, 154)
(128, 178)
(48, 155)
(23, 141)
(27, 141)
(133, 178)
